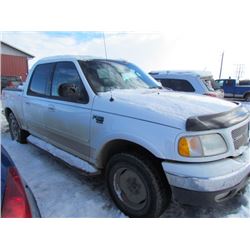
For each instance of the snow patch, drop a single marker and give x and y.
(246, 105)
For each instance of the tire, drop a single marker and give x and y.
(247, 97)
(137, 186)
(16, 132)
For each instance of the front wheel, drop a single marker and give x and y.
(16, 132)
(137, 186)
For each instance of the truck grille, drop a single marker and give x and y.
(240, 136)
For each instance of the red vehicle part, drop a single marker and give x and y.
(15, 203)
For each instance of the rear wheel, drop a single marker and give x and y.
(247, 97)
(137, 186)
(16, 132)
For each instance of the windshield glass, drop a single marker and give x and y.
(210, 83)
(104, 75)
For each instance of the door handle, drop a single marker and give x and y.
(28, 103)
(51, 108)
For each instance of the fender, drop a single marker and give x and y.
(130, 138)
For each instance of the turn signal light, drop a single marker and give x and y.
(183, 147)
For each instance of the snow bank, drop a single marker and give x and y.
(247, 105)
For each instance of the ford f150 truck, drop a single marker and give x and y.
(153, 145)
(235, 89)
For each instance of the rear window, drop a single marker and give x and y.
(40, 79)
(177, 85)
(244, 83)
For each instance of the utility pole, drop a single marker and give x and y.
(221, 64)
(239, 70)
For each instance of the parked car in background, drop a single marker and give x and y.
(17, 200)
(235, 89)
(10, 82)
(153, 145)
(200, 82)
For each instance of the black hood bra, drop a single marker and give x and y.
(219, 120)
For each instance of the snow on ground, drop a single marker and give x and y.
(61, 191)
(247, 105)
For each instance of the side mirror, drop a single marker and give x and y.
(70, 91)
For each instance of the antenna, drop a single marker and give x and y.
(111, 97)
(104, 41)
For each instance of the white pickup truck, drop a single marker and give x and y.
(153, 145)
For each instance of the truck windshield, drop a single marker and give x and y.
(104, 75)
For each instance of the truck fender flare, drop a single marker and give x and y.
(131, 139)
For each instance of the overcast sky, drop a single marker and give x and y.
(191, 35)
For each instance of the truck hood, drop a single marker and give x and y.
(159, 106)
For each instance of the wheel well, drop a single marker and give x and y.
(7, 113)
(118, 146)
(246, 94)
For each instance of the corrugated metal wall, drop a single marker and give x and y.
(14, 66)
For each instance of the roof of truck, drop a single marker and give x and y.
(72, 57)
(199, 73)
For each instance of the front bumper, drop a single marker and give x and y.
(206, 183)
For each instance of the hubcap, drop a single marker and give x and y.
(14, 128)
(130, 188)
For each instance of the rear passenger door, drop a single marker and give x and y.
(67, 119)
(35, 101)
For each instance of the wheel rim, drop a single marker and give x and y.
(130, 188)
(14, 128)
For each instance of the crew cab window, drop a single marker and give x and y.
(67, 84)
(40, 80)
(177, 85)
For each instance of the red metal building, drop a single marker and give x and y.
(14, 62)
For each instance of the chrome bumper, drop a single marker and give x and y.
(211, 176)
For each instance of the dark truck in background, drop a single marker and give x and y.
(234, 88)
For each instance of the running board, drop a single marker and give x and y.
(68, 158)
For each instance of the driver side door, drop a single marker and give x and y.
(68, 111)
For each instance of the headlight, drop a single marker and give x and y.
(203, 145)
